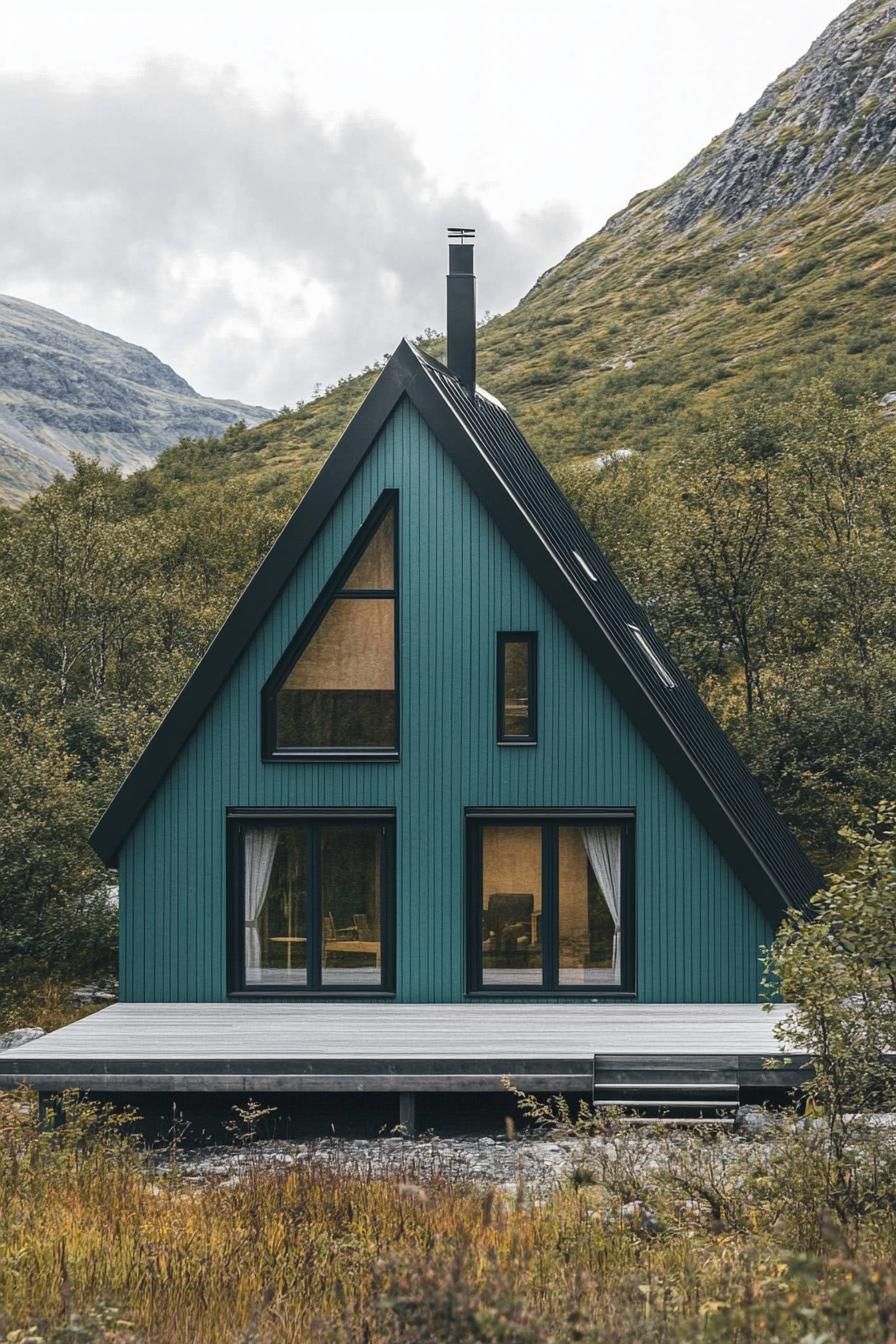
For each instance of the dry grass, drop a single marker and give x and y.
(40, 1001)
(97, 1242)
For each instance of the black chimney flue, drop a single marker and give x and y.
(462, 308)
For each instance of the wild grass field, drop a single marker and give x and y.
(734, 1240)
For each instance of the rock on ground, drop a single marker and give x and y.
(755, 1122)
(21, 1036)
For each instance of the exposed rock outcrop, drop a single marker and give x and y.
(834, 110)
(20, 1036)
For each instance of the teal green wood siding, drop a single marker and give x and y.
(698, 931)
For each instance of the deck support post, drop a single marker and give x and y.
(407, 1113)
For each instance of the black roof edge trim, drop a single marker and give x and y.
(249, 610)
(616, 668)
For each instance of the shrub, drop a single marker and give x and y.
(838, 970)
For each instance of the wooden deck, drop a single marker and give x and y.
(294, 1047)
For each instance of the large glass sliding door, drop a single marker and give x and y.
(551, 903)
(311, 902)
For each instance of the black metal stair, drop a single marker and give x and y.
(676, 1087)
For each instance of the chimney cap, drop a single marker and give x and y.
(461, 235)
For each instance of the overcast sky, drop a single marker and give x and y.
(258, 192)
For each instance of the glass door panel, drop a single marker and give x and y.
(589, 895)
(351, 867)
(512, 951)
(275, 891)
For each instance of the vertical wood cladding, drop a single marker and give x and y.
(697, 929)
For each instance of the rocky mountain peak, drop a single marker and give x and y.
(834, 110)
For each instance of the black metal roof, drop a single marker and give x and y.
(611, 606)
(534, 515)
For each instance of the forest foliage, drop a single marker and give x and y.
(110, 590)
(839, 969)
(762, 549)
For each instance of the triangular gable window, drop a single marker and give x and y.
(334, 692)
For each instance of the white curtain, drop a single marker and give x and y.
(260, 848)
(603, 845)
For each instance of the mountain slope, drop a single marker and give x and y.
(767, 261)
(65, 387)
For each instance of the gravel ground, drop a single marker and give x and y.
(486, 1161)
(538, 1162)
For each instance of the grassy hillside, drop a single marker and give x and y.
(649, 333)
(765, 263)
(636, 337)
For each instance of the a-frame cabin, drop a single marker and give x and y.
(436, 755)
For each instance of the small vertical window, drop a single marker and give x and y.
(517, 721)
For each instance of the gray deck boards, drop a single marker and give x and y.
(409, 1031)
(376, 1047)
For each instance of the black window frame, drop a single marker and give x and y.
(530, 639)
(240, 817)
(273, 754)
(550, 819)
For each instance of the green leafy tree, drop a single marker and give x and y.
(727, 543)
(56, 907)
(110, 591)
(838, 970)
(763, 550)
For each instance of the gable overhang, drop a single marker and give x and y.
(248, 612)
(405, 375)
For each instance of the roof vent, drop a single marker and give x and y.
(462, 308)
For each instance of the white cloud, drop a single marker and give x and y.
(254, 246)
